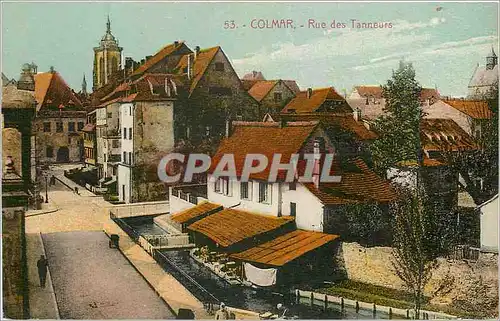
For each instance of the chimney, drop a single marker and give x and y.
(309, 92)
(189, 67)
(228, 128)
(196, 51)
(176, 43)
(143, 61)
(357, 114)
(318, 152)
(148, 57)
(129, 62)
(168, 92)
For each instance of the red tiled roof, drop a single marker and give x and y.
(438, 134)
(285, 248)
(42, 83)
(119, 89)
(261, 88)
(266, 139)
(159, 56)
(143, 86)
(231, 226)
(344, 121)
(359, 186)
(200, 64)
(376, 92)
(477, 109)
(369, 91)
(302, 104)
(50, 88)
(200, 210)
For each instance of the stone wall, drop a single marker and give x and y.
(64, 144)
(472, 286)
(14, 275)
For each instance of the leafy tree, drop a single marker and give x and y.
(399, 127)
(411, 260)
(479, 168)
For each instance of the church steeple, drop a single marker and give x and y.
(84, 85)
(106, 58)
(491, 60)
(108, 26)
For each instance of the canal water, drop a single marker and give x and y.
(199, 280)
(145, 226)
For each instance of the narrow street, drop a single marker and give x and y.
(90, 280)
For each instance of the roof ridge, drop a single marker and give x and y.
(275, 124)
(277, 218)
(197, 78)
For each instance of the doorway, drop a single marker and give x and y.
(62, 155)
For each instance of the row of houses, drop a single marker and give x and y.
(281, 231)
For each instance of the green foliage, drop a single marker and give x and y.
(479, 168)
(399, 127)
(411, 260)
(367, 224)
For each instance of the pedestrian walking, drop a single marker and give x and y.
(222, 313)
(42, 265)
(53, 180)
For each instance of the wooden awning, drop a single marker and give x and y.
(198, 211)
(285, 248)
(231, 226)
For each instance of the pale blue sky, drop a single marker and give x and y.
(444, 45)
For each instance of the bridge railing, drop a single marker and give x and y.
(141, 209)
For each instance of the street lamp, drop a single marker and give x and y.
(46, 189)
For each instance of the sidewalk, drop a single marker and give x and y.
(47, 208)
(165, 285)
(42, 300)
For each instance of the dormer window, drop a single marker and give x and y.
(219, 66)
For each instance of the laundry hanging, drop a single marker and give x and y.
(260, 277)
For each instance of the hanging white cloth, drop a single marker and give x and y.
(260, 277)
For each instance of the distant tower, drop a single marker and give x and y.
(491, 60)
(106, 58)
(84, 86)
(26, 80)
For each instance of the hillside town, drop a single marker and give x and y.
(83, 202)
